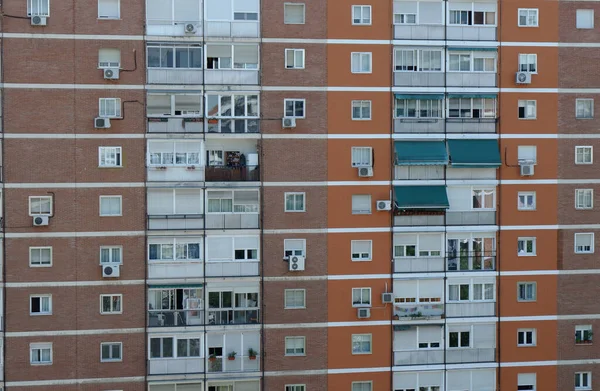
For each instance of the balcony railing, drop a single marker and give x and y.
(471, 261)
(175, 366)
(469, 355)
(419, 357)
(232, 221)
(175, 318)
(418, 264)
(418, 311)
(470, 33)
(416, 218)
(231, 316)
(175, 221)
(239, 364)
(231, 125)
(176, 125)
(464, 262)
(471, 125)
(232, 174)
(470, 309)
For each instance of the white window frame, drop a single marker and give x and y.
(528, 63)
(41, 199)
(361, 256)
(415, 60)
(173, 157)
(360, 9)
(362, 303)
(362, 211)
(102, 17)
(525, 284)
(40, 249)
(528, 12)
(584, 195)
(111, 344)
(108, 64)
(472, 285)
(484, 192)
(183, 243)
(429, 106)
(361, 385)
(405, 19)
(364, 160)
(583, 250)
(362, 57)
(525, 206)
(295, 54)
(40, 297)
(295, 387)
(40, 347)
(472, 57)
(116, 109)
(294, 101)
(368, 339)
(295, 4)
(39, 4)
(582, 151)
(295, 338)
(580, 332)
(294, 195)
(361, 105)
(111, 296)
(154, 50)
(287, 305)
(110, 250)
(484, 109)
(527, 159)
(172, 97)
(525, 253)
(530, 385)
(580, 108)
(581, 376)
(472, 11)
(107, 151)
(529, 109)
(112, 197)
(577, 26)
(525, 332)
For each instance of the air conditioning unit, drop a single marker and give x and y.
(364, 313)
(38, 20)
(527, 169)
(387, 298)
(365, 172)
(288, 122)
(39, 221)
(384, 205)
(190, 28)
(110, 271)
(523, 78)
(297, 263)
(101, 123)
(111, 73)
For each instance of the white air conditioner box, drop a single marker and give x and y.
(523, 78)
(364, 313)
(101, 123)
(38, 20)
(387, 298)
(383, 205)
(39, 221)
(111, 73)
(527, 169)
(288, 123)
(190, 28)
(365, 172)
(297, 263)
(111, 271)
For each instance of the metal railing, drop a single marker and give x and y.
(231, 174)
(231, 316)
(175, 318)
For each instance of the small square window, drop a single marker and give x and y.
(361, 14)
(110, 205)
(295, 346)
(584, 155)
(583, 380)
(362, 386)
(584, 108)
(111, 254)
(361, 297)
(527, 154)
(295, 299)
(526, 382)
(111, 351)
(110, 108)
(294, 247)
(526, 337)
(361, 250)
(40, 206)
(361, 343)
(40, 256)
(584, 198)
(294, 58)
(526, 291)
(483, 199)
(527, 109)
(526, 200)
(526, 247)
(40, 353)
(584, 243)
(405, 18)
(109, 9)
(584, 19)
(361, 204)
(361, 110)
(293, 13)
(294, 108)
(109, 58)
(583, 334)
(528, 63)
(459, 339)
(111, 304)
(40, 305)
(109, 157)
(295, 387)
(295, 202)
(362, 157)
(38, 7)
(361, 62)
(528, 17)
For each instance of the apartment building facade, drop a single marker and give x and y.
(247, 195)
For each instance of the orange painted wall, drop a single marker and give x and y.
(547, 253)
(546, 167)
(547, 114)
(547, 22)
(546, 296)
(339, 257)
(339, 69)
(339, 21)
(339, 296)
(339, 346)
(545, 348)
(547, 63)
(339, 113)
(546, 201)
(339, 162)
(339, 203)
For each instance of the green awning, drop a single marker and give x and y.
(474, 153)
(420, 96)
(488, 96)
(176, 286)
(420, 153)
(421, 197)
(461, 49)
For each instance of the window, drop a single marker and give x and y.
(528, 17)
(526, 291)
(38, 7)
(583, 380)
(471, 62)
(361, 343)
(527, 153)
(418, 60)
(361, 297)
(188, 347)
(295, 387)
(472, 18)
(362, 386)
(294, 202)
(293, 13)
(527, 109)
(526, 382)
(361, 204)
(583, 334)
(111, 254)
(111, 304)
(294, 58)
(110, 107)
(295, 298)
(405, 18)
(361, 110)
(483, 199)
(584, 155)
(294, 108)
(109, 58)
(361, 14)
(183, 56)
(584, 243)
(40, 353)
(174, 105)
(458, 292)
(169, 153)
(585, 19)
(584, 198)
(183, 249)
(108, 9)
(161, 347)
(584, 108)
(111, 351)
(109, 156)
(528, 63)
(360, 62)
(294, 346)
(462, 292)
(40, 305)
(361, 250)
(362, 157)
(459, 339)
(40, 206)
(526, 247)
(483, 292)
(110, 205)
(526, 337)
(471, 108)
(294, 247)
(40, 256)
(526, 200)
(413, 108)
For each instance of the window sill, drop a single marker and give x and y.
(361, 260)
(584, 343)
(584, 118)
(536, 26)
(109, 361)
(110, 166)
(526, 255)
(38, 364)
(295, 211)
(526, 346)
(526, 301)
(294, 308)
(526, 210)
(362, 73)
(584, 252)
(583, 163)
(102, 18)
(528, 119)
(40, 314)
(111, 313)
(111, 215)
(361, 119)
(361, 305)
(295, 355)
(361, 353)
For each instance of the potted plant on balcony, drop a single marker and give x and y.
(396, 317)
(191, 167)
(231, 355)
(212, 357)
(252, 354)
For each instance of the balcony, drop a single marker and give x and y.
(176, 125)
(232, 125)
(419, 79)
(432, 172)
(175, 366)
(175, 318)
(175, 269)
(232, 174)
(232, 268)
(239, 364)
(231, 77)
(175, 221)
(418, 311)
(471, 173)
(407, 219)
(175, 76)
(471, 125)
(172, 173)
(419, 357)
(460, 310)
(421, 32)
(170, 27)
(471, 261)
(471, 33)
(418, 264)
(233, 29)
(419, 125)
(470, 355)
(471, 79)
(229, 316)
(471, 218)
(232, 221)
